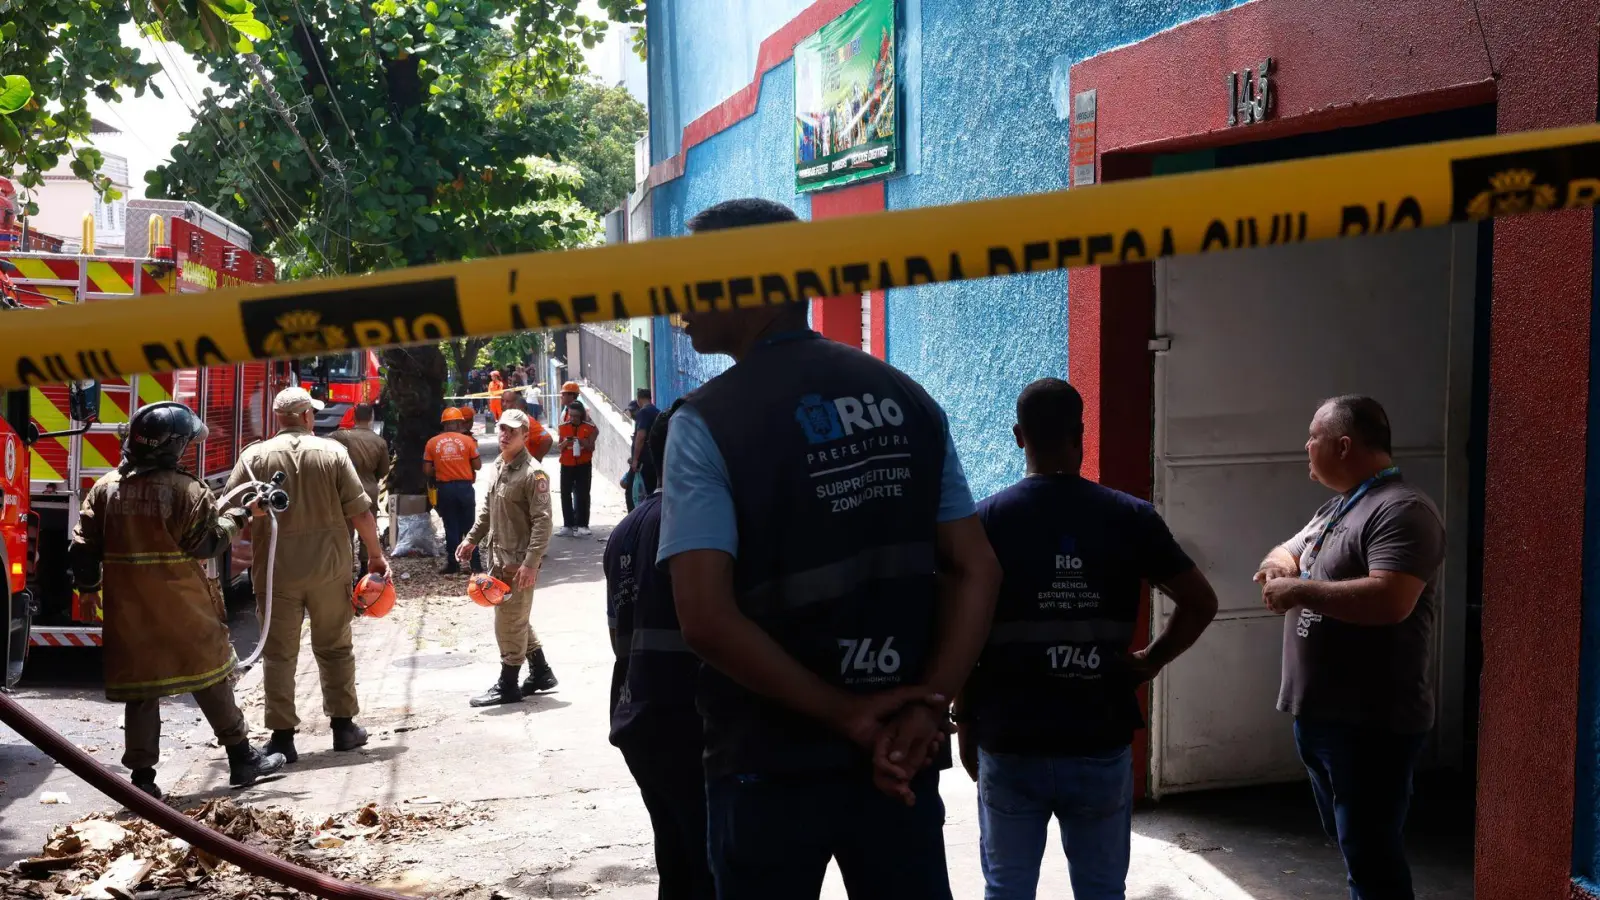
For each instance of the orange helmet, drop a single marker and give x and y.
(570, 387)
(374, 596)
(495, 374)
(467, 413)
(451, 414)
(487, 590)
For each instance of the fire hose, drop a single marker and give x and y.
(176, 823)
(274, 499)
(271, 496)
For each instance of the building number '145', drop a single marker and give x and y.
(1067, 655)
(859, 655)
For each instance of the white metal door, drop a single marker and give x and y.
(1258, 338)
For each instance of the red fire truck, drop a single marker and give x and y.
(341, 380)
(56, 440)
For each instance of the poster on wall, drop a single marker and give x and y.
(846, 99)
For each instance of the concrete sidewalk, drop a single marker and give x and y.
(557, 813)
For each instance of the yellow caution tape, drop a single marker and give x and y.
(1279, 203)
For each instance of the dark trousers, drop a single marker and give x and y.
(672, 782)
(627, 489)
(456, 508)
(575, 494)
(1361, 778)
(771, 837)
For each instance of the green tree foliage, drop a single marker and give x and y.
(361, 135)
(607, 122)
(61, 51)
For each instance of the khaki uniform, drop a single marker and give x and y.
(370, 454)
(312, 578)
(142, 540)
(512, 530)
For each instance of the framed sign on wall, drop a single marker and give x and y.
(846, 102)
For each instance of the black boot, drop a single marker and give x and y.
(451, 568)
(246, 764)
(347, 735)
(145, 780)
(504, 691)
(282, 744)
(540, 678)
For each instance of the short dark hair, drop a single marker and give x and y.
(363, 412)
(1362, 419)
(642, 394)
(655, 449)
(1050, 413)
(741, 213)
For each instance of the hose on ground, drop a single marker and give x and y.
(176, 823)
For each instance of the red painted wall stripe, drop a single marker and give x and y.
(777, 48)
(839, 318)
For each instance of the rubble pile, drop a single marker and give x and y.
(102, 858)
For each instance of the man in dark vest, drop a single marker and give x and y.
(653, 718)
(828, 566)
(1047, 719)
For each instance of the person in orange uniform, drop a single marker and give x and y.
(469, 417)
(451, 460)
(496, 386)
(539, 439)
(578, 437)
(569, 396)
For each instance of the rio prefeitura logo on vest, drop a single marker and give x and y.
(857, 450)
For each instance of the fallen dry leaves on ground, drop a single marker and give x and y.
(163, 867)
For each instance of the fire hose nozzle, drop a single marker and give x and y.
(271, 491)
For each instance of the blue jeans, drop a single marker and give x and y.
(1361, 778)
(771, 837)
(1092, 797)
(455, 505)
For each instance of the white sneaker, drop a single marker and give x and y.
(563, 531)
(584, 532)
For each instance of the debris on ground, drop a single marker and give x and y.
(102, 857)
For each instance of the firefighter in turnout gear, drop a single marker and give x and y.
(312, 575)
(143, 536)
(514, 528)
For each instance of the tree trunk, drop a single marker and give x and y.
(413, 393)
(463, 356)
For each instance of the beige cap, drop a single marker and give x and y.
(515, 418)
(294, 400)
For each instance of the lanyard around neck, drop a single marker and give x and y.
(1310, 555)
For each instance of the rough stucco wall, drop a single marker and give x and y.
(993, 91)
(708, 52)
(739, 162)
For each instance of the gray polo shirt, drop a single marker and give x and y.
(1376, 675)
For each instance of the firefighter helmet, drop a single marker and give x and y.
(450, 414)
(158, 435)
(570, 387)
(487, 590)
(374, 596)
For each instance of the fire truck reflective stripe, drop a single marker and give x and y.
(51, 455)
(100, 451)
(65, 637)
(153, 390)
(114, 405)
(49, 270)
(105, 278)
(158, 279)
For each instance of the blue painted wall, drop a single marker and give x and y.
(1586, 814)
(992, 90)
